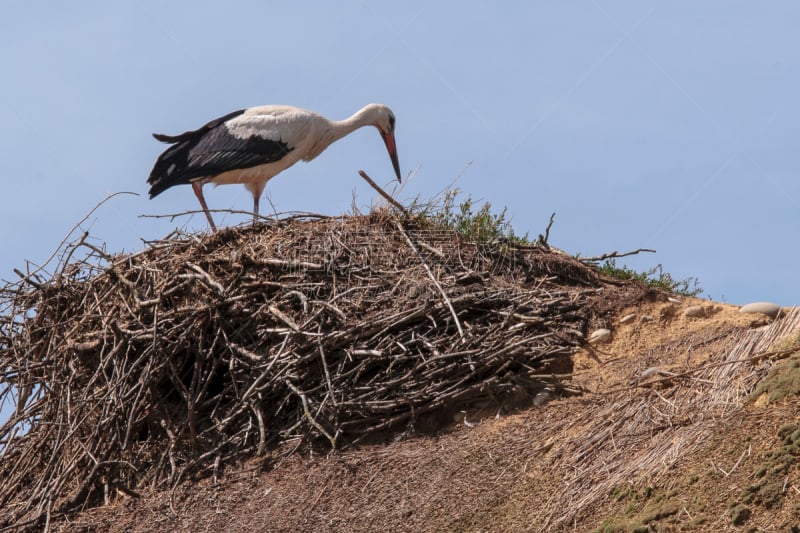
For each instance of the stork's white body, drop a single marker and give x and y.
(253, 145)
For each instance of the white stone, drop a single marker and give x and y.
(600, 335)
(627, 318)
(766, 308)
(541, 398)
(694, 311)
(652, 371)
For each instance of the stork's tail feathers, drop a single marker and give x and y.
(170, 168)
(166, 172)
(171, 139)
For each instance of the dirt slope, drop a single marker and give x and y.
(685, 423)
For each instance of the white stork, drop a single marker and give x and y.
(250, 146)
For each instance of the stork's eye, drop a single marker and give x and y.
(391, 122)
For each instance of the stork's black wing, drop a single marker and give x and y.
(208, 151)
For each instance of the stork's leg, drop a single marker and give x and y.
(256, 188)
(197, 187)
(256, 198)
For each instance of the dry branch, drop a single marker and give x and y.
(614, 255)
(433, 278)
(543, 239)
(397, 205)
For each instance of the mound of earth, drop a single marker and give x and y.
(406, 381)
(708, 442)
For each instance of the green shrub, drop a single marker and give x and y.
(655, 277)
(473, 223)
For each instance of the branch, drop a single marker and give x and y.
(549, 225)
(433, 278)
(173, 216)
(307, 412)
(614, 254)
(383, 193)
(27, 279)
(543, 240)
(76, 226)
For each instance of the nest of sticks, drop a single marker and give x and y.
(133, 371)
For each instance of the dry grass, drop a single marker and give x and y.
(640, 434)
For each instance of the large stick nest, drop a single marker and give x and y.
(133, 371)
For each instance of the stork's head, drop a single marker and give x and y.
(382, 118)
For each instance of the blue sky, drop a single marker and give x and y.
(666, 125)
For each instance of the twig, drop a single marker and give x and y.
(433, 278)
(543, 240)
(319, 495)
(292, 264)
(283, 317)
(331, 390)
(97, 250)
(211, 281)
(27, 279)
(307, 413)
(262, 432)
(76, 226)
(614, 254)
(173, 216)
(728, 473)
(383, 193)
(747, 452)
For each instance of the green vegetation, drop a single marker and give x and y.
(642, 508)
(791, 342)
(738, 514)
(769, 486)
(481, 225)
(655, 277)
(473, 223)
(783, 380)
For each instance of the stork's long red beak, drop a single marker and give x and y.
(391, 146)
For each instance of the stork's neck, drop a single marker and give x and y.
(336, 129)
(362, 117)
